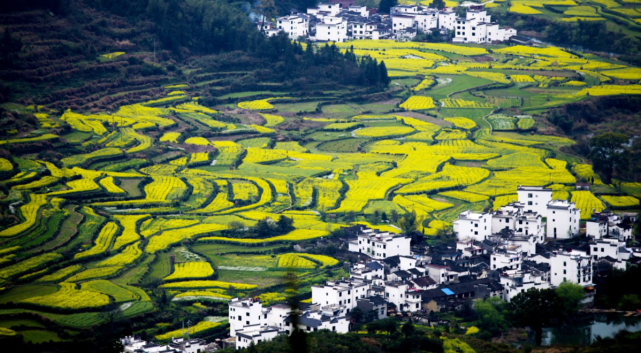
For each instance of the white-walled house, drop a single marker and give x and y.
(426, 20)
(506, 258)
(534, 198)
(446, 19)
(314, 320)
(401, 22)
(374, 303)
(518, 281)
(361, 10)
(572, 267)
(255, 334)
(404, 10)
(382, 245)
(406, 17)
(325, 8)
(247, 312)
(597, 228)
(251, 323)
(295, 26)
(332, 29)
(612, 248)
(477, 27)
(370, 271)
(604, 224)
(340, 293)
(563, 219)
(399, 294)
(472, 225)
(277, 314)
(132, 343)
(437, 272)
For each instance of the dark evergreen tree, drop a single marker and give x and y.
(384, 78)
(385, 5)
(437, 4)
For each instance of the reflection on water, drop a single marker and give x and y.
(586, 331)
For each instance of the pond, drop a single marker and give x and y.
(585, 331)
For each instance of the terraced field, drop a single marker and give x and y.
(166, 199)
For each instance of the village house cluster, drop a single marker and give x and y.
(496, 254)
(342, 20)
(177, 345)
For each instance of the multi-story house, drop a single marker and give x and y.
(506, 258)
(571, 266)
(296, 26)
(518, 281)
(534, 198)
(340, 293)
(248, 312)
(562, 219)
(477, 27)
(331, 29)
(472, 225)
(327, 9)
(381, 245)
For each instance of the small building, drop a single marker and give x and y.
(256, 334)
(374, 304)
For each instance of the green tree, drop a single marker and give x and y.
(389, 325)
(608, 154)
(385, 5)
(410, 222)
(630, 302)
(437, 4)
(384, 78)
(408, 328)
(357, 314)
(267, 9)
(489, 315)
(571, 295)
(535, 308)
(285, 224)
